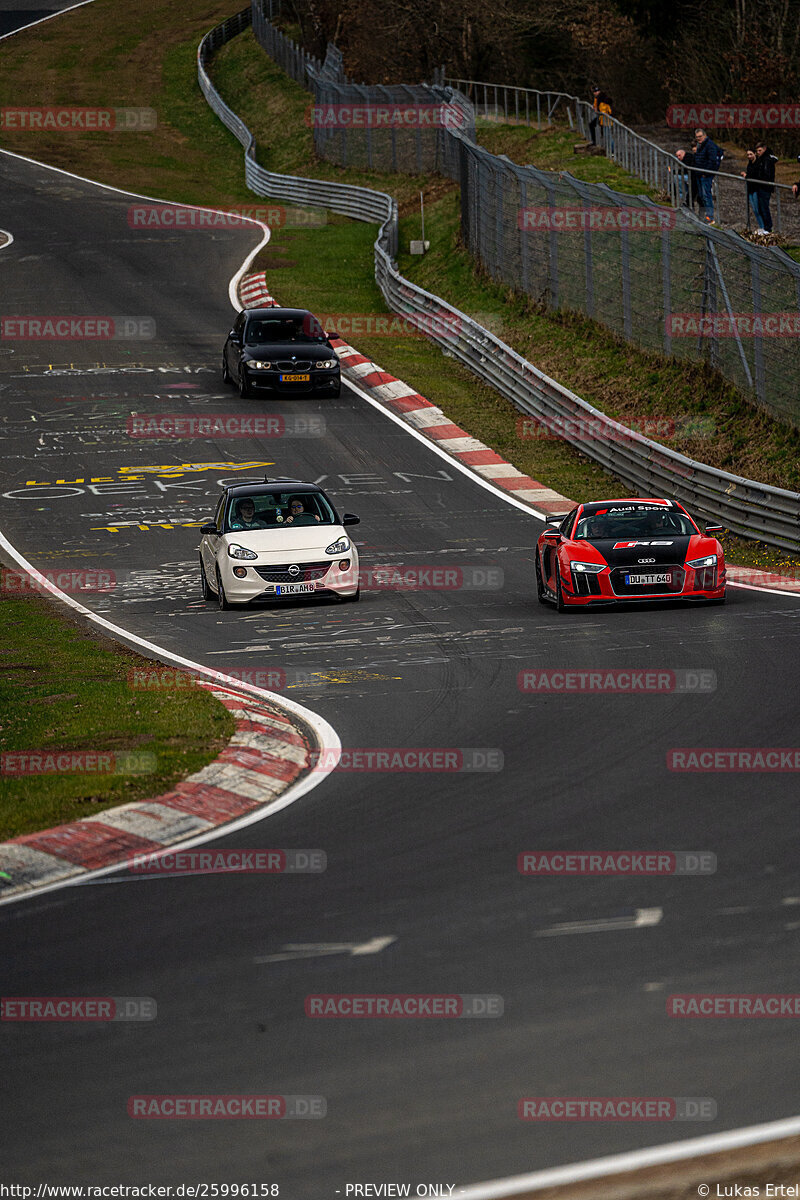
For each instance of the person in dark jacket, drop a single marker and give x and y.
(751, 187)
(765, 174)
(707, 160)
(689, 192)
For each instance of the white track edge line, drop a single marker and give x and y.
(324, 732)
(41, 20)
(615, 1164)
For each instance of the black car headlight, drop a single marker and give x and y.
(326, 364)
(257, 364)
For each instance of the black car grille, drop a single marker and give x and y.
(621, 588)
(292, 367)
(307, 574)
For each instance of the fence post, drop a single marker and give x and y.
(758, 342)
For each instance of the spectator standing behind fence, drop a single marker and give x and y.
(765, 174)
(707, 160)
(752, 188)
(601, 104)
(689, 193)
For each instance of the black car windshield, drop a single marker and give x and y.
(277, 510)
(262, 331)
(626, 525)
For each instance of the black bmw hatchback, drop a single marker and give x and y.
(280, 350)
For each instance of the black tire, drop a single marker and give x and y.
(245, 392)
(539, 585)
(560, 605)
(205, 590)
(226, 375)
(222, 600)
(335, 395)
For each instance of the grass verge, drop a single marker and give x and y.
(64, 689)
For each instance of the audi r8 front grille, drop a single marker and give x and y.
(585, 584)
(621, 587)
(281, 573)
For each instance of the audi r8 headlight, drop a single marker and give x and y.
(697, 564)
(325, 364)
(589, 568)
(235, 551)
(339, 547)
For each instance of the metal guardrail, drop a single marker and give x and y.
(651, 163)
(741, 505)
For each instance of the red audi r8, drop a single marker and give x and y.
(637, 549)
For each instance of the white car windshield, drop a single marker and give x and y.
(277, 510)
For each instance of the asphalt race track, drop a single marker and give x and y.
(429, 859)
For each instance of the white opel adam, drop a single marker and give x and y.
(276, 539)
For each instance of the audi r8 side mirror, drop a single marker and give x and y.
(351, 519)
(714, 529)
(209, 527)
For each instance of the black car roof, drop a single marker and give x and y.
(281, 314)
(629, 502)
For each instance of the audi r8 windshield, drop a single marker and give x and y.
(627, 526)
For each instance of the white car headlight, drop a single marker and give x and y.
(235, 551)
(339, 547)
(697, 564)
(588, 568)
(325, 364)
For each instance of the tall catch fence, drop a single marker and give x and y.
(742, 505)
(653, 164)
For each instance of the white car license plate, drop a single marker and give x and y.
(291, 589)
(295, 378)
(633, 580)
